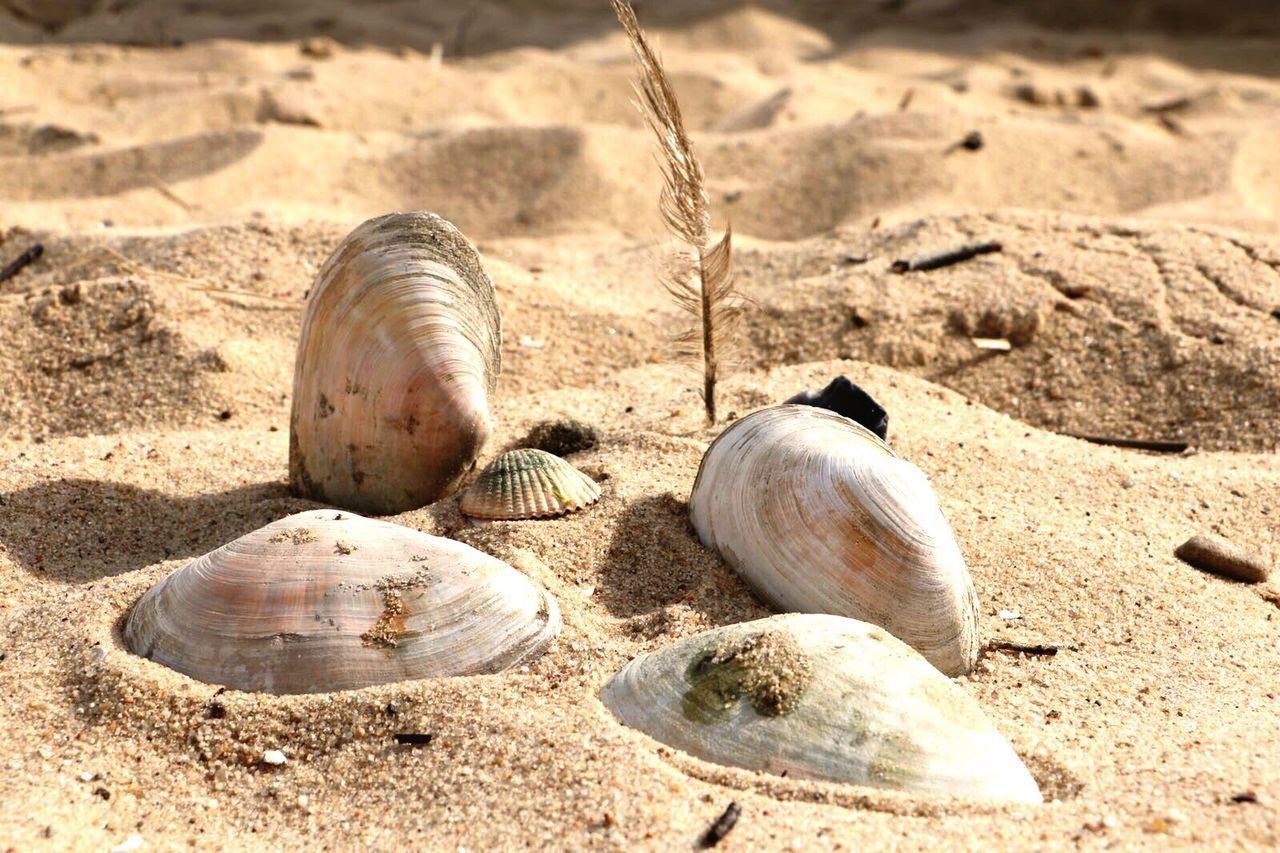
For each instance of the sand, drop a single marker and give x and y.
(188, 170)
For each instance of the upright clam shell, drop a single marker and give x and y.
(332, 601)
(820, 516)
(819, 697)
(528, 483)
(400, 346)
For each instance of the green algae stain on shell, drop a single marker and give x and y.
(896, 762)
(769, 669)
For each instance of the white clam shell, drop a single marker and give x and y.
(327, 600)
(819, 697)
(820, 516)
(400, 348)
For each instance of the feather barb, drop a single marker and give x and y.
(701, 281)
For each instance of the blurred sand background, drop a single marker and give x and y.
(189, 166)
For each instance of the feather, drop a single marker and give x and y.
(701, 280)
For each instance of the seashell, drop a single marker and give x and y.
(400, 348)
(819, 697)
(324, 601)
(820, 516)
(528, 483)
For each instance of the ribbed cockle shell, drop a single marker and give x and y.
(819, 697)
(820, 516)
(327, 600)
(400, 348)
(528, 483)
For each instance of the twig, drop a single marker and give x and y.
(1133, 443)
(413, 738)
(20, 263)
(718, 830)
(1045, 649)
(946, 257)
(219, 291)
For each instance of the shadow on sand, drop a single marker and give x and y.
(104, 529)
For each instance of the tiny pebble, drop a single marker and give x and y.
(1010, 615)
(1215, 554)
(303, 801)
(133, 842)
(274, 757)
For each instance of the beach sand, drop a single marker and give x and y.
(188, 172)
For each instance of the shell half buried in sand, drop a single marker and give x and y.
(401, 346)
(819, 697)
(820, 516)
(325, 600)
(528, 483)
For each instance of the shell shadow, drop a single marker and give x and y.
(655, 561)
(105, 529)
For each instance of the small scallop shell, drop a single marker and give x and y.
(324, 601)
(819, 697)
(820, 516)
(400, 348)
(528, 483)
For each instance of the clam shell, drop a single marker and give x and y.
(400, 348)
(332, 601)
(528, 483)
(819, 697)
(820, 516)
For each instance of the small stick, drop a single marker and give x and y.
(946, 257)
(1133, 443)
(1046, 649)
(1170, 124)
(413, 738)
(718, 830)
(994, 344)
(905, 101)
(1169, 106)
(1217, 555)
(20, 263)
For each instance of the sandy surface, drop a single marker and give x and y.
(189, 171)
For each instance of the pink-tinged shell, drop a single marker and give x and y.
(820, 516)
(400, 348)
(328, 600)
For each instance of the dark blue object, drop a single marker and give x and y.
(845, 398)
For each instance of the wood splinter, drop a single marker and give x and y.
(1044, 649)
(946, 257)
(1133, 443)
